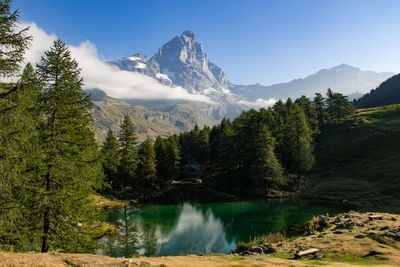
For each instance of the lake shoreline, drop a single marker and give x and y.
(351, 239)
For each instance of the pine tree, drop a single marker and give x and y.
(167, 159)
(173, 159)
(319, 107)
(111, 158)
(310, 112)
(13, 42)
(71, 169)
(128, 152)
(298, 142)
(338, 106)
(20, 160)
(147, 167)
(17, 132)
(265, 170)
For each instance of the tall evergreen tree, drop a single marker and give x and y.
(310, 112)
(20, 160)
(338, 106)
(71, 170)
(147, 167)
(298, 142)
(111, 158)
(173, 159)
(13, 42)
(129, 154)
(320, 109)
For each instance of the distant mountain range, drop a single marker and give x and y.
(344, 78)
(183, 62)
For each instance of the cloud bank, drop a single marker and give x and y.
(259, 103)
(97, 74)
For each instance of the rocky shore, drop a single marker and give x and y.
(364, 237)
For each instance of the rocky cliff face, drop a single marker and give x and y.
(181, 62)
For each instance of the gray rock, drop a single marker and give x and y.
(267, 249)
(257, 250)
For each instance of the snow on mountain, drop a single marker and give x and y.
(183, 62)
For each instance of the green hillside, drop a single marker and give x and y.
(387, 93)
(153, 119)
(359, 160)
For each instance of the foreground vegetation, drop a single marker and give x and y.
(349, 239)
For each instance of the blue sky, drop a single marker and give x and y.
(253, 41)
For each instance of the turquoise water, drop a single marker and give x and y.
(200, 228)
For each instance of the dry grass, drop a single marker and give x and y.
(108, 204)
(83, 260)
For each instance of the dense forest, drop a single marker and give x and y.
(50, 162)
(386, 93)
(258, 151)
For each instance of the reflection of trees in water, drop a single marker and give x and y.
(202, 228)
(126, 238)
(149, 240)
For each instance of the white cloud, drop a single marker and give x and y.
(259, 103)
(97, 74)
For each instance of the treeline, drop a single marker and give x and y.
(49, 160)
(258, 151)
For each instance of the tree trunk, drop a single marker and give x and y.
(46, 215)
(46, 224)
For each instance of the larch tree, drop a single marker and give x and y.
(13, 42)
(128, 153)
(20, 160)
(110, 153)
(147, 167)
(17, 130)
(71, 166)
(298, 142)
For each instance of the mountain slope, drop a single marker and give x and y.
(359, 161)
(386, 93)
(154, 118)
(344, 78)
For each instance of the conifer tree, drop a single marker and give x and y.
(13, 42)
(319, 107)
(111, 158)
(173, 159)
(298, 142)
(128, 152)
(20, 160)
(265, 169)
(71, 169)
(160, 150)
(338, 106)
(147, 167)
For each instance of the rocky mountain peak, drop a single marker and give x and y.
(188, 34)
(139, 57)
(181, 62)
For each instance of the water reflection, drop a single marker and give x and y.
(161, 230)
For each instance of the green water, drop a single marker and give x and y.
(200, 228)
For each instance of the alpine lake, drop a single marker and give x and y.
(201, 228)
